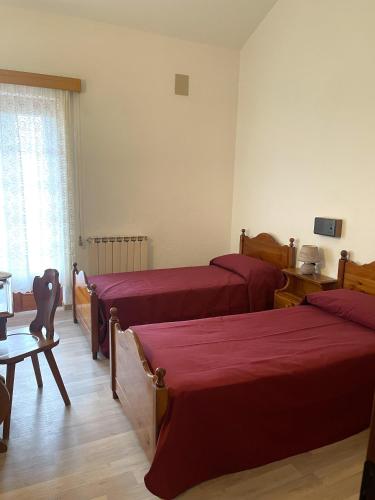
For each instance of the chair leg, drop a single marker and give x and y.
(9, 383)
(38, 376)
(55, 372)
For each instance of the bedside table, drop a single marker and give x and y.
(298, 285)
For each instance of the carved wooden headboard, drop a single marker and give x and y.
(265, 247)
(355, 276)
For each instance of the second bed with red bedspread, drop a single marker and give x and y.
(231, 284)
(249, 389)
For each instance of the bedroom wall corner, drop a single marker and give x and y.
(305, 126)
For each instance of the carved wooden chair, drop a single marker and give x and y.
(21, 345)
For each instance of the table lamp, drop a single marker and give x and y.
(6, 303)
(309, 255)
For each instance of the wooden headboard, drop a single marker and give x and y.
(265, 247)
(355, 276)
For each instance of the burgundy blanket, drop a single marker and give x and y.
(249, 389)
(235, 284)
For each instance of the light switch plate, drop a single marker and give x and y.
(181, 84)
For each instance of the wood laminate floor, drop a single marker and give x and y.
(89, 451)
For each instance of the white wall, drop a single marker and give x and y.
(154, 163)
(306, 126)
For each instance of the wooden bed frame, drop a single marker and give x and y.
(362, 278)
(85, 298)
(144, 395)
(368, 475)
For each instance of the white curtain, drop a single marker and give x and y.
(36, 183)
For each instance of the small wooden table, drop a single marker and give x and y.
(299, 285)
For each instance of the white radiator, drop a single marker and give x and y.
(114, 254)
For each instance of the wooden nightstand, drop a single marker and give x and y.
(298, 285)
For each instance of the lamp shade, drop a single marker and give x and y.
(309, 254)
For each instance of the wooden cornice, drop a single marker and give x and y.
(38, 80)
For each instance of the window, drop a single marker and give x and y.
(36, 183)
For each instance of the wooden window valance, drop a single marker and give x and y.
(38, 80)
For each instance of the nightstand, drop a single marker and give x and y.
(298, 285)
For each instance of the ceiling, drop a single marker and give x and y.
(227, 23)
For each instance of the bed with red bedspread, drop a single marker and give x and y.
(231, 284)
(249, 389)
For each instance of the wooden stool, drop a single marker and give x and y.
(21, 345)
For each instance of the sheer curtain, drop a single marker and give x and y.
(36, 183)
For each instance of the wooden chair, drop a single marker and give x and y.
(21, 345)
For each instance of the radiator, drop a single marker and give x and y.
(114, 254)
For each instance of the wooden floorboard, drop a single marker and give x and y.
(89, 451)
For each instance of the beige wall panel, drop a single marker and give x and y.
(153, 163)
(306, 126)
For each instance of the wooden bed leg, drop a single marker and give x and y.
(94, 321)
(368, 476)
(161, 399)
(112, 348)
(367, 491)
(242, 237)
(341, 270)
(291, 253)
(159, 377)
(86, 308)
(75, 272)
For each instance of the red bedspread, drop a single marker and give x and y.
(249, 389)
(185, 293)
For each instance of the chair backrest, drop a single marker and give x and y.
(46, 291)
